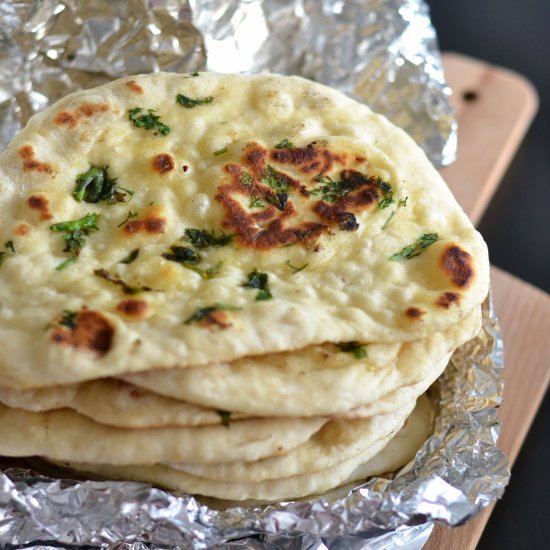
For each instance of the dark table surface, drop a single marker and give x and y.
(515, 34)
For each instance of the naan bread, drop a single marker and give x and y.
(312, 381)
(66, 435)
(403, 449)
(335, 442)
(314, 217)
(116, 403)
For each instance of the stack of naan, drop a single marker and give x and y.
(226, 285)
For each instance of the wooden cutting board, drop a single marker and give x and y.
(494, 108)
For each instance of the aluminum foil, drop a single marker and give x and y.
(456, 473)
(382, 52)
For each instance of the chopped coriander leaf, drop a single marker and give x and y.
(127, 289)
(220, 151)
(275, 180)
(95, 185)
(255, 202)
(225, 416)
(75, 231)
(295, 269)
(246, 178)
(202, 238)
(278, 200)
(208, 273)
(284, 144)
(423, 241)
(9, 246)
(128, 218)
(400, 204)
(148, 121)
(66, 263)
(130, 258)
(87, 223)
(387, 194)
(189, 102)
(203, 313)
(68, 319)
(359, 351)
(259, 281)
(332, 190)
(182, 255)
(196, 73)
(403, 202)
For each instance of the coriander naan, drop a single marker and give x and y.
(171, 221)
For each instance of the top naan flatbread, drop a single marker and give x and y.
(315, 190)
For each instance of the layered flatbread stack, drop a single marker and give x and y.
(226, 285)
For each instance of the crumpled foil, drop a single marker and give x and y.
(455, 474)
(382, 52)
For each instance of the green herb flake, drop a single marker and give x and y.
(423, 241)
(225, 416)
(75, 231)
(205, 313)
(258, 281)
(195, 73)
(387, 194)
(246, 179)
(208, 273)
(295, 269)
(131, 257)
(202, 238)
(359, 351)
(148, 121)
(95, 185)
(284, 144)
(275, 180)
(9, 245)
(68, 319)
(128, 218)
(189, 102)
(220, 151)
(400, 204)
(126, 288)
(255, 202)
(331, 190)
(392, 214)
(182, 255)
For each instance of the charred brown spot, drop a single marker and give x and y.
(153, 222)
(133, 308)
(26, 153)
(414, 313)
(92, 331)
(255, 157)
(21, 230)
(136, 393)
(217, 319)
(360, 159)
(40, 203)
(457, 265)
(86, 110)
(66, 119)
(447, 299)
(163, 163)
(134, 86)
(309, 159)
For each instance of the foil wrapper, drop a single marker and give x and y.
(457, 472)
(382, 52)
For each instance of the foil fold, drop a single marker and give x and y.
(382, 52)
(457, 472)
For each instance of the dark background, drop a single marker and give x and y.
(515, 34)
